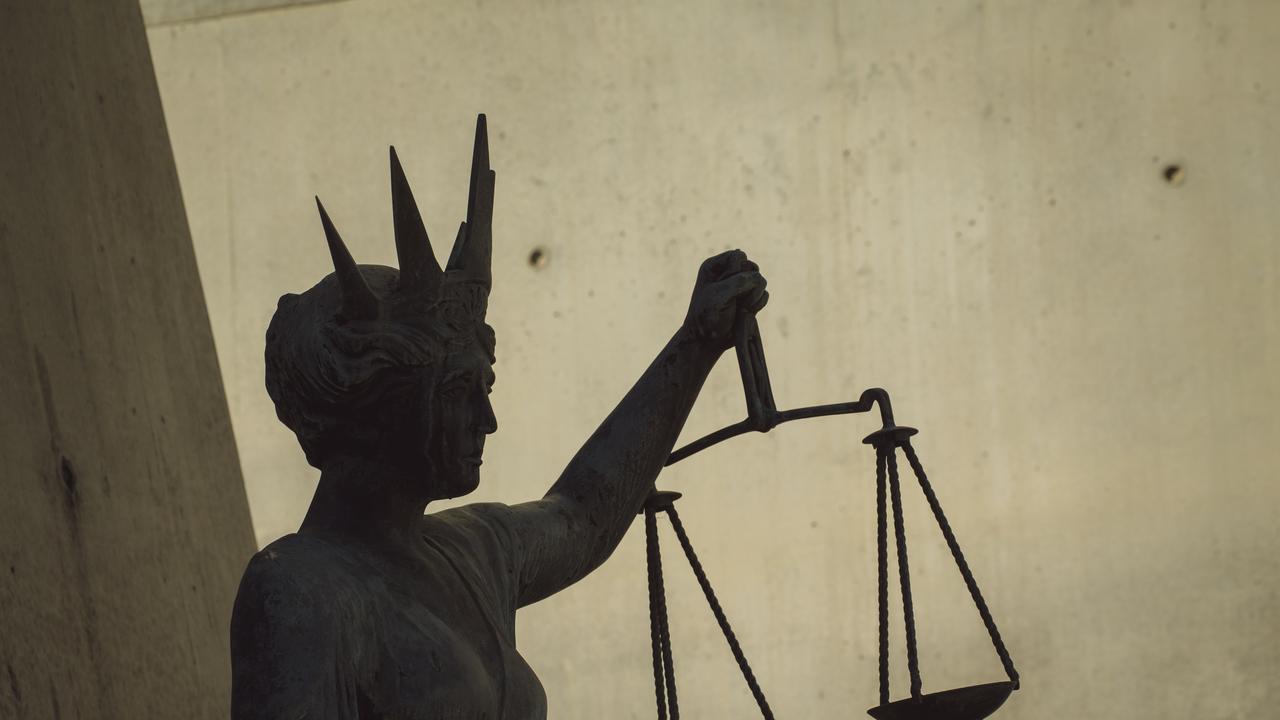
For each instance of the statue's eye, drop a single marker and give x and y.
(452, 391)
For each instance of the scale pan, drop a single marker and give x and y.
(968, 703)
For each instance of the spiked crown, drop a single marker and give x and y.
(460, 291)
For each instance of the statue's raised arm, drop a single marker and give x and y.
(373, 609)
(589, 508)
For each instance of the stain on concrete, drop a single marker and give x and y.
(70, 482)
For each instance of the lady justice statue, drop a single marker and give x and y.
(374, 610)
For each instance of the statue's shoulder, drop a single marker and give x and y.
(295, 574)
(288, 631)
(297, 556)
(470, 516)
(478, 528)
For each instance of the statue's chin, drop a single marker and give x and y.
(463, 482)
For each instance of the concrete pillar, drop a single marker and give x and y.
(125, 524)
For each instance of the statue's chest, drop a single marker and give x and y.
(427, 665)
(439, 652)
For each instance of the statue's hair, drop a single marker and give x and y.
(338, 384)
(349, 356)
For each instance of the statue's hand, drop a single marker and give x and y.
(726, 283)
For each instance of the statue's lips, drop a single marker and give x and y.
(474, 452)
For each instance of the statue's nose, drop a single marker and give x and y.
(489, 421)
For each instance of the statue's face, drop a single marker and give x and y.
(459, 416)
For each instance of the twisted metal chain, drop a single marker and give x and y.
(719, 614)
(882, 567)
(969, 581)
(904, 573)
(659, 631)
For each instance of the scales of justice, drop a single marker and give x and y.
(967, 703)
(376, 610)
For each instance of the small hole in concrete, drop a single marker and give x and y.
(538, 258)
(1174, 175)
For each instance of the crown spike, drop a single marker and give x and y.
(459, 247)
(473, 251)
(479, 165)
(358, 300)
(419, 270)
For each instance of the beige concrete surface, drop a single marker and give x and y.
(962, 202)
(124, 526)
(163, 12)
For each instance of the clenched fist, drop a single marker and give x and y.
(726, 283)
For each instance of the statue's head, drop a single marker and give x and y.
(395, 366)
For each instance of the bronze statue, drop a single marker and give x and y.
(374, 610)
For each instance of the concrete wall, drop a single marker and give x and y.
(124, 526)
(961, 202)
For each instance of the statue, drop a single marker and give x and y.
(373, 609)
